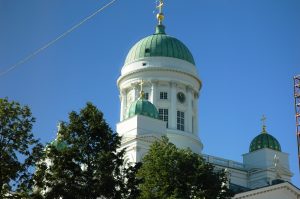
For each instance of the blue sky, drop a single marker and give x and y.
(246, 51)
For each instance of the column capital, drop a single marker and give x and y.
(189, 88)
(123, 92)
(154, 81)
(173, 83)
(134, 84)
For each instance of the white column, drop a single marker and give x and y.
(135, 91)
(189, 113)
(173, 109)
(154, 92)
(196, 96)
(123, 99)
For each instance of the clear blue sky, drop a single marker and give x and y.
(247, 52)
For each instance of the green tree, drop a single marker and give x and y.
(19, 150)
(169, 173)
(85, 161)
(130, 188)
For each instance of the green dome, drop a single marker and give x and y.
(142, 107)
(159, 45)
(59, 144)
(264, 140)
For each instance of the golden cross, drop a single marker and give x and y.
(142, 92)
(160, 15)
(141, 84)
(263, 119)
(160, 6)
(59, 125)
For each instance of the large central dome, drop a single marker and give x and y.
(159, 45)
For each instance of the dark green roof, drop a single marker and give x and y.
(159, 45)
(264, 140)
(142, 107)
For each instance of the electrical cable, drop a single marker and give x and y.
(38, 51)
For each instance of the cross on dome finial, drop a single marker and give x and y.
(59, 125)
(160, 16)
(142, 92)
(263, 119)
(141, 84)
(59, 128)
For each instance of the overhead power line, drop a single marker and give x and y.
(38, 51)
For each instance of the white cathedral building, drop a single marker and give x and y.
(159, 89)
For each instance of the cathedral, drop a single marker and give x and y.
(159, 89)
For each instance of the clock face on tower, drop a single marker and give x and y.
(181, 97)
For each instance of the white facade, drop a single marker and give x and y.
(266, 165)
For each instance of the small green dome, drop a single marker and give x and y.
(159, 45)
(59, 144)
(142, 107)
(264, 140)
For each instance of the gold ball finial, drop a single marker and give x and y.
(142, 95)
(160, 17)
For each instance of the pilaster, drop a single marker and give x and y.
(173, 109)
(154, 92)
(195, 109)
(123, 99)
(189, 114)
(135, 90)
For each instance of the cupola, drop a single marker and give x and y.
(59, 143)
(142, 107)
(264, 140)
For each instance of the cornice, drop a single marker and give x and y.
(158, 69)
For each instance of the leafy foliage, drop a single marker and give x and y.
(19, 150)
(84, 161)
(130, 188)
(170, 173)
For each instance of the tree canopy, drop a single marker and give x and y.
(85, 161)
(19, 150)
(169, 173)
